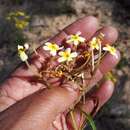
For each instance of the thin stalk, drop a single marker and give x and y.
(89, 119)
(83, 88)
(100, 53)
(93, 67)
(73, 120)
(83, 125)
(82, 118)
(81, 67)
(30, 68)
(34, 49)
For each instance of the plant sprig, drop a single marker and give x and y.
(72, 63)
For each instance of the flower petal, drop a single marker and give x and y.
(78, 33)
(26, 45)
(76, 42)
(61, 59)
(69, 59)
(82, 39)
(61, 53)
(105, 48)
(46, 48)
(68, 37)
(97, 47)
(53, 53)
(68, 50)
(20, 47)
(60, 48)
(48, 43)
(23, 56)
(69, 41)
(74, 54)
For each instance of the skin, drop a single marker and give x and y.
(26, 106)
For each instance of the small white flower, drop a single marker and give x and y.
(75, 39)
(111, 50)
(52, 47)
(94, 43)
(67, 55)
(21, 51)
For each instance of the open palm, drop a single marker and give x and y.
(34, 107)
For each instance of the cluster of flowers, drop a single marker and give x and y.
(19, 18)
(66, 54)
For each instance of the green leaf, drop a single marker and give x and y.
(90, 120)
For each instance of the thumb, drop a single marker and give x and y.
(39, 110)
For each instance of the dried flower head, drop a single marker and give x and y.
(86, 53)
(58, 73)
(75, 39)
(67, 55)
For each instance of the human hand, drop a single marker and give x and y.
(30, 106)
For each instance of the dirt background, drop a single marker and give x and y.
(50, 16)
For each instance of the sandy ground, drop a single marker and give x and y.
(50, 16)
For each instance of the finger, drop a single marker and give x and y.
(106, 65)
(102, 94)
(109, 61)
(39, 110)
(88, 23)
(87, 26)
(16, 88)
(110, 34)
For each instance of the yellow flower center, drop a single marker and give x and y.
(75, 37)
(53, 47)
(21, 50)
(112, 49)
(66, 55)
(23, 56)
(94, 43)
